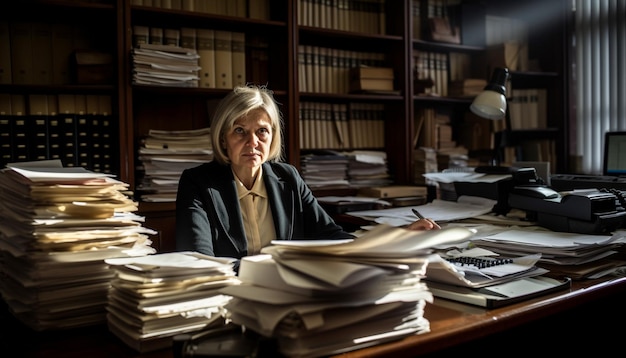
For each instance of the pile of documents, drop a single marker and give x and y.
(327, 297)
(164, 155)
(165, 65)
(325, 170)
(57, 225)
(569, 254)
(368, 168)
(155, 297)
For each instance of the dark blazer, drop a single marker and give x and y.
(208, 215)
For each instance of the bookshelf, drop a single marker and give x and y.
(280, 36)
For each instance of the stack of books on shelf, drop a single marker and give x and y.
(368, 168)
(424, 161)
(318, 298)
(324, 169)
(165, 65)
(155, 297)
(165, 154)
(57, 226)
(468, 87)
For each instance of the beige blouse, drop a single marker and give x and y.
(256, 214)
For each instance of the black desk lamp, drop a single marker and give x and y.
(491, 104)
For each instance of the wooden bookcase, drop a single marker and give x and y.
(137, 109)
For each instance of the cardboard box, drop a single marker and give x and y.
(371, 79)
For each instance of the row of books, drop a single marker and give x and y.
(327, 70)
(255, 9)
(528, 108)
(40, 52)
(367, 16)
(74, 128)
(431, 72)
(219, 55)
(342, 125)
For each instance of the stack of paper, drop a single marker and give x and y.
(325, 170)
(326, 297)
(156, 297)
(164, 155)
(574, 255)
(57, 225)
(165, 65)
(368, 168)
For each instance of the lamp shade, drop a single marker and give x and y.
(491, 102)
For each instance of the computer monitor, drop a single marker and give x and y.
(614, 154)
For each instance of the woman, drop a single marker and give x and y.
(236, 204)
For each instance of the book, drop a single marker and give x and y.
(42, 53)
(188, 37)
(141, 35)
(61, 51)
(223, 59)
(206, 51)
(238, 48)
(21, 52)
(5, 53)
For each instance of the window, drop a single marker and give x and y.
(600, 75)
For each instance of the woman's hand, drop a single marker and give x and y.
(423, 224)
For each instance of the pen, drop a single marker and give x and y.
(417, 213)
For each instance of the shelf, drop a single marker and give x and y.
(445, 47)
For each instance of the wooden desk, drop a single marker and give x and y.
(588, 315)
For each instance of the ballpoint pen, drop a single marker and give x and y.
(417, 213)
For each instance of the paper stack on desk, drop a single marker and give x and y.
(156, 297)
(326, 297)
(570, 254)
(57, 225)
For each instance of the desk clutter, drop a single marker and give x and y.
(57, 225)
(320, 298)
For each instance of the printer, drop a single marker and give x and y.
(590, 211)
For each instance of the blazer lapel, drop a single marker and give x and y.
(281, 202)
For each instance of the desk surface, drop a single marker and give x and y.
(452, 325)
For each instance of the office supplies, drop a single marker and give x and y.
(417, 213)
(583, 211)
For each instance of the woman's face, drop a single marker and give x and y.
(248, 141)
